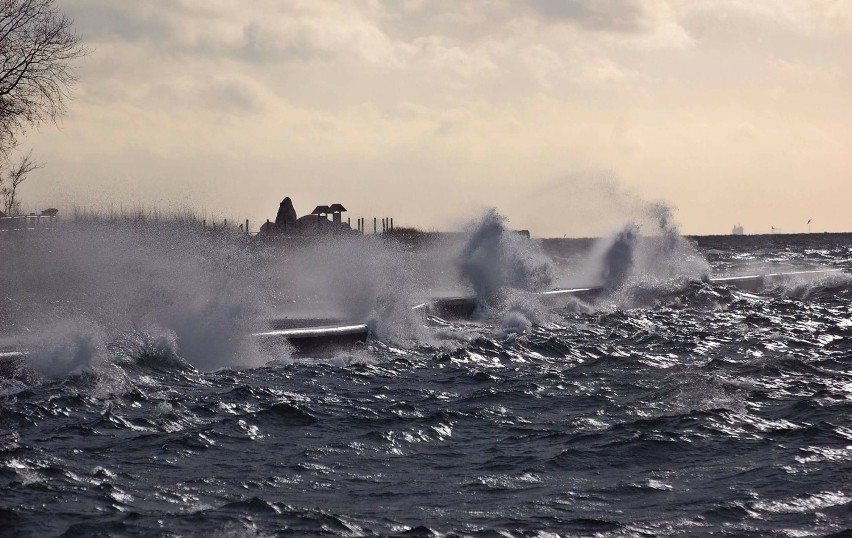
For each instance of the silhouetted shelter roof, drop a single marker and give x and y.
(336, 208)
(321, 210)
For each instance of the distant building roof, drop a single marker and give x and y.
(336, 208)
(321, 210)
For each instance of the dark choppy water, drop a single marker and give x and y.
(708, 410)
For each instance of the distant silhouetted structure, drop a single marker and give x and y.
(286, 214)
(737, 230)
(321, 210)
(336, 211)
(287, 221)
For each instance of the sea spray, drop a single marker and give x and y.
(67, 348)
(358, 279)
(504, 269)
(619, 258)
(632, 267)
(122, 277)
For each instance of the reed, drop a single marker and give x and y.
(143, 215)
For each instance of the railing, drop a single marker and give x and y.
(24, 223)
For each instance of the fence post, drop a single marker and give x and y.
(391, 224)
(247, 226)
(375, 225)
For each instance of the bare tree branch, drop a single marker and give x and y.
(10, 182)
(37, 45)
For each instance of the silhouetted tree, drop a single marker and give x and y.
(37, 45)
(10, 180)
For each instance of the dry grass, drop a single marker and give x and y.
(179, 217)
(406, 230)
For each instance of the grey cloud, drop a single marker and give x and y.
(606, 15)
(297, 41)
(119, 21)
(233, 96)
(468, 20)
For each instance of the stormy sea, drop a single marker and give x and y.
(134, 401)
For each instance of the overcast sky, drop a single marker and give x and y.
(562, 114)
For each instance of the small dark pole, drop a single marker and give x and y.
(349, 222)
(225, 225)
(204, 223)
(391, 224)
(375, 225)
(247, 226)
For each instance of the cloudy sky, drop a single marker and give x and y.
(561, 113)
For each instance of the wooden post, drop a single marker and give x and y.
(204, 223)
(375, 225)
(391, 224)
(247, 226)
